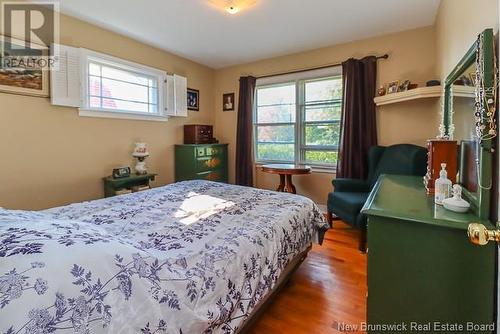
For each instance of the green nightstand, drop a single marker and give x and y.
(132, 183)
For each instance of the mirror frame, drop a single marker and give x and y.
(480, 201)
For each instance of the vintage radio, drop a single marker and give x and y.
(198, 134)
(439, 151)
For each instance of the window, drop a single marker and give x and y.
(275, 129)
(297, 119)
(116, 88)
(322, 110)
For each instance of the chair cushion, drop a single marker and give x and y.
(347, 205)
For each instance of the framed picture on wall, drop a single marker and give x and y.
(404, 86)
(193, 99)
(21, 69)
(392, 87)
(228, 102)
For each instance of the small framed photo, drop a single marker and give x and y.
(405, 85)
(392, 87)
(193, 99)
(228, 102)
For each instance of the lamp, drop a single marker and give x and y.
(140, 153)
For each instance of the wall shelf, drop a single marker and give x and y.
(412, 94)
(423, 92)
(464, 91)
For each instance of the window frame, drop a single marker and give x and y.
(88, 57)
(256, 125)
(300, 147)
(303, 147)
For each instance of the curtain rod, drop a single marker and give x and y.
(310, 69)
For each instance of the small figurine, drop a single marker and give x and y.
(381, 91)
(456, 203)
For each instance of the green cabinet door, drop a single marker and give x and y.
(422, 270)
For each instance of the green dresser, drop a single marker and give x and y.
(201, 161)
(422, 269)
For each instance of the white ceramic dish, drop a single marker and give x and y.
(456, 203)
(451, 205)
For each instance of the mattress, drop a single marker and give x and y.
(191, 257)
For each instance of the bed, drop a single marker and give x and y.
(191, 257)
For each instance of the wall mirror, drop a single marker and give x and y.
(469, 118)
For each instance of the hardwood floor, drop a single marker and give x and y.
(327, 290)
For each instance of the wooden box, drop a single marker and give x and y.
(198, 134)
(439, 151)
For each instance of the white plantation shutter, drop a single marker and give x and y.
(65, 77)
(180, 92)
(169, 96)
(175, 95)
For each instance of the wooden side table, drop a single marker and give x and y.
(134, 182)
(285, 171)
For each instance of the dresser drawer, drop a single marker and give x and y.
(215, 150)
(217, 175)
(208, 163)
(209, 151)
(200, 152)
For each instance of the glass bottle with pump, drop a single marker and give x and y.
(442, 188)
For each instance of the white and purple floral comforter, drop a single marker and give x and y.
(192, 257)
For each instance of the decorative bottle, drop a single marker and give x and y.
(442, 186)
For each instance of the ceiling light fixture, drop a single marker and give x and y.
(232, 6)
(232, 9)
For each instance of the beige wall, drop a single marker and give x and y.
(51, 156)
(412, 56)
(457, 25)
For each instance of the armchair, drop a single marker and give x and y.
(349, 195)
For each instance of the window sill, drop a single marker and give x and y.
(314, 169)
(120, 115)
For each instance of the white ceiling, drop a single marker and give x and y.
(198, 30)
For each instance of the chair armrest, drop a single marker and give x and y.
(351, 185)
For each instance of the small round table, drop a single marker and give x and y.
(285, 172)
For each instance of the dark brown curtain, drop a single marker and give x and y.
(358, 125)
(244, 159)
